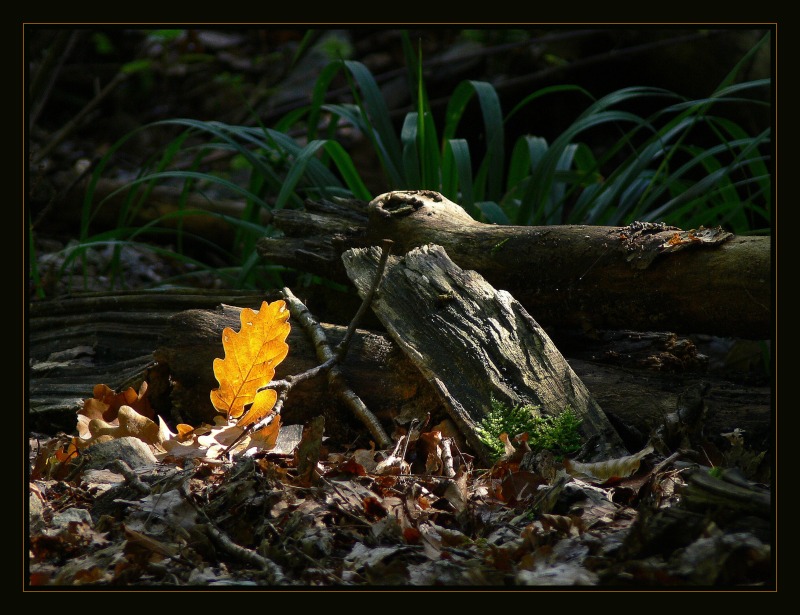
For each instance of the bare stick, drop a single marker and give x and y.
(341, 349)
(447, 458)
(120, 467)
(330, 360)
(223, 542)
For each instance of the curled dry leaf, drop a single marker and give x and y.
(105, 403)
(250, 359)
(128, 423)
(366, 458)
(612, 468)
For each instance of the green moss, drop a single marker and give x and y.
(715, 471)
(558, 434)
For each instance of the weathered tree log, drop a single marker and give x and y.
(641, 277)
(473, 343)
(78, 342)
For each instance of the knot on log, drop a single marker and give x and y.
(403, 203)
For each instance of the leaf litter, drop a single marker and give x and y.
(250, 502)
(315, 518)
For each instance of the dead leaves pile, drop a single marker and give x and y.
(251, 356)
(307, 516)
(286, 510)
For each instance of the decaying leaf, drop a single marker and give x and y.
(509, 448)
(267, 437)
(127, 423)
(611, 468)
(105, 403)
(395, 463)
(250, 359)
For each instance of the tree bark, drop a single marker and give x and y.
(641, 277)
(474, 343)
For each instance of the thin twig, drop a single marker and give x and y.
(447, 458)
(222, 541)
(120, 467)
(330, 360)
(341, 348)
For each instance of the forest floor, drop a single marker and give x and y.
(312, 514)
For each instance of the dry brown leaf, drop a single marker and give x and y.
(128, 423)
(105, 403)
(611, 468)
(250, 359)
(266, 437)
(308, 451)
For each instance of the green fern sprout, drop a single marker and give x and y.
(558, 434)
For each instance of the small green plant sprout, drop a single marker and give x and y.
(558, 434)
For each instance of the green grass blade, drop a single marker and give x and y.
(528, 152)
(734, 72)
(536, 205)
(376, 110)
(321, 86)
(553, 89)
(489, 180)
(431, 157)
(408, 137)
(457, 158)
(296, 172)
(347, 169)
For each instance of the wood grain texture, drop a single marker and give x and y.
(473, 342)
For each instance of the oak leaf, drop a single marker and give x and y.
(128, 423)
(249, 364)
(105, 403)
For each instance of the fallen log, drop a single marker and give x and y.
(643, 277)
(109, 339)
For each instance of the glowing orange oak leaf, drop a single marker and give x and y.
(250, 359)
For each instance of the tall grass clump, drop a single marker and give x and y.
(685, 163)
